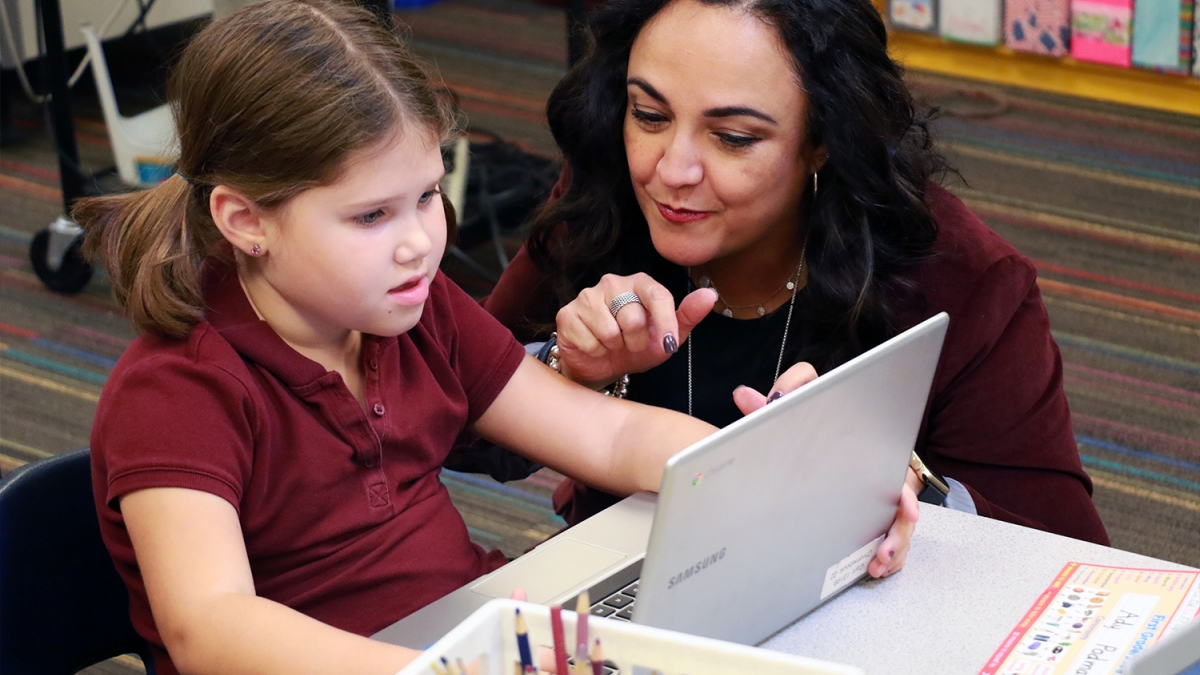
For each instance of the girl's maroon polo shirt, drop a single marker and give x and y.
(342, 511)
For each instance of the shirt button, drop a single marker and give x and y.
(379, 409)
(371, 463)
(373, 364)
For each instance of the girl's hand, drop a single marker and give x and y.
(893, 550)
(595, 348)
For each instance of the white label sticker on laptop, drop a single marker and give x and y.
(849, 569)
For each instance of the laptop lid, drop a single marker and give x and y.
(1176, 654)
(761, 522)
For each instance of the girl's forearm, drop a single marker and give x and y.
(649, 437)
(617, 446)
(235, 633)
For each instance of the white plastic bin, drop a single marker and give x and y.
(490, 633)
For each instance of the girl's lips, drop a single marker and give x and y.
(413, 292)
(680, 215)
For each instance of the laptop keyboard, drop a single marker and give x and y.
(617, 606)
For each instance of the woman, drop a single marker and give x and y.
(769, 149)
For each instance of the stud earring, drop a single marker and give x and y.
(256, 250)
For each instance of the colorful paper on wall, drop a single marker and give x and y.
(1038, 26)
(918, 15)
(1094, 617)
(1100, 31)
(974, 21)
(1162, 34)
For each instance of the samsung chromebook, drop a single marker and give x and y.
(754, 526)
(1175, 654)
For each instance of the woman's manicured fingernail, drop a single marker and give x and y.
(775, 397)
(670, 346)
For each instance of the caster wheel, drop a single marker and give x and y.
(71, 276)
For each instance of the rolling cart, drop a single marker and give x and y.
(54, 252)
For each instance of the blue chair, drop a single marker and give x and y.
(62, 605)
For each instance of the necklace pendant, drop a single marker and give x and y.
(704, 282)
(727, 312)
(761, 311)
(791, 285)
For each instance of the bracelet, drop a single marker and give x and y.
(617, 389)
(549, 354)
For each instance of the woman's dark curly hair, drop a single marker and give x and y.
(866, 227)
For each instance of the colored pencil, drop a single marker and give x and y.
(438, 669)
(560, 639)
(581, 661)
(523, 642)
(582, 609)
(450, 668)
(597, 659)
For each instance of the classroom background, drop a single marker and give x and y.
(1075, 126)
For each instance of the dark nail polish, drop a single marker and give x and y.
(775, 397)
(669, 344)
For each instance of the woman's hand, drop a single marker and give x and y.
(596, 348)
(893, 550)
(749, 400)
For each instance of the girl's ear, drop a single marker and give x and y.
(239, 219)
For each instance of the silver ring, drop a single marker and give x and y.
(626, 298)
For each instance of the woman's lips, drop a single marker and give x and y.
(680, 215)
(412, 292)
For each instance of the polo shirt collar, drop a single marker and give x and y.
(231, 314)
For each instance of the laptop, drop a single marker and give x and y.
(753, 527)
(1174, 654)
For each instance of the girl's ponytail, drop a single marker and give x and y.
(152, 243)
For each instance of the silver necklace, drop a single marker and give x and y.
(789, 283)
(793, 283)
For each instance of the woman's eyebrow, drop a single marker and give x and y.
(646, 87)
(737, 111)
(727, 111)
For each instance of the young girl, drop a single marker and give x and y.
(266, 454)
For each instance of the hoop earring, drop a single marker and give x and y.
(814, 183)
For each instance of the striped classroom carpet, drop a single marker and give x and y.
(1105, 199)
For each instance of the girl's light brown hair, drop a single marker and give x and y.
(269, 100)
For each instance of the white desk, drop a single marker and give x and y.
(967, 582)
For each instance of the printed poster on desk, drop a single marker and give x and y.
(1093, 617)
(1100, 31)
(1038, 26)
(1162, 35)
(974, 21)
